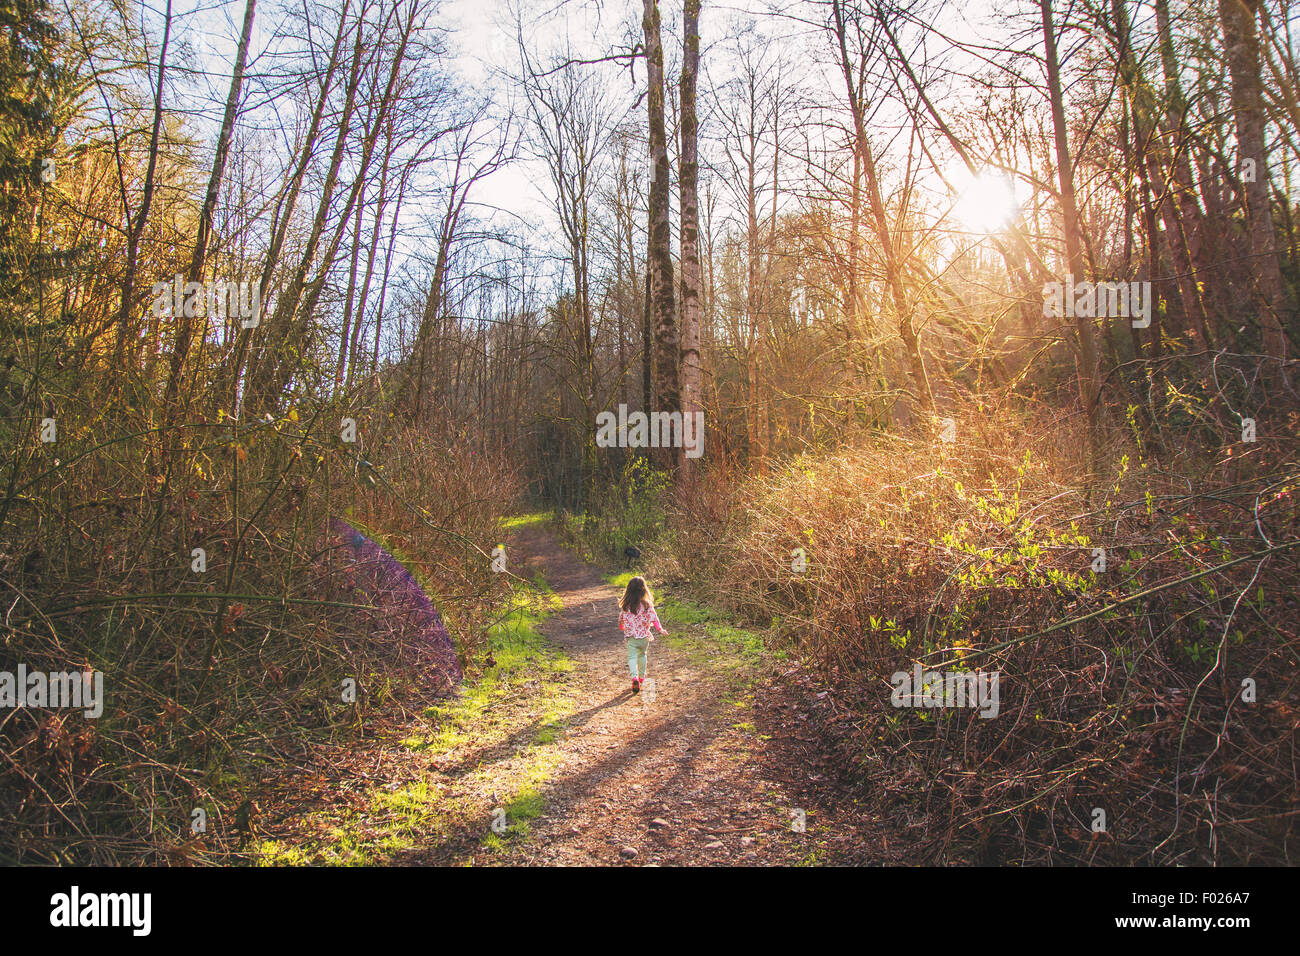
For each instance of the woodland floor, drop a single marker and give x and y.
(712, 764)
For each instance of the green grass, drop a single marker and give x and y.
(700, 631)
(275, 853)
(527, 805)
(393, 820)
(620, 580)
(526, 520)
(680, 611)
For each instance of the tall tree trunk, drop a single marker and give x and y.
(1160, 174)
(370, 260)
(1184, 184)
(659, 259)
(348, 300)
(135, 226)
(288, 202)
(755, 335)
(292, 329)
(418, 390)
(1241, 42)
(278, 335)
(388, 264)
(690, 213)
(185, 326)
(1087, 354)
(647, 343)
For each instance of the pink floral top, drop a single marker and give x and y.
(637, 624)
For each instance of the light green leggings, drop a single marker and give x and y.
(636, 648)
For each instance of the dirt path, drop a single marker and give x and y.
(712, 764)
(678, 774)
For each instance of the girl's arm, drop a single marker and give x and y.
(654, 619)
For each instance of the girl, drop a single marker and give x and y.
(635, 618)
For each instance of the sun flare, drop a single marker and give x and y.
(986, 203)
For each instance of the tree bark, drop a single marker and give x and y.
(659, 254)
(1158, 170)
(1087, 354)
(1241, 42)
(288, 203)
(135, 226)
(1192, 222)
(690, 214)
(185, 326)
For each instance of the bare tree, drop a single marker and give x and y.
(286, 205)
(135, 224)
(1087, 348)
(690, 211)
(890, 247)
(185, 322)
(1241, 41)
(659, 261)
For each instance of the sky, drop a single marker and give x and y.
(484, 45)
(482, 36)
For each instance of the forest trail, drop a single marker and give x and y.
(574, 769)
(673, 775)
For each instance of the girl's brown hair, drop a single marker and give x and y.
(636, 595)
